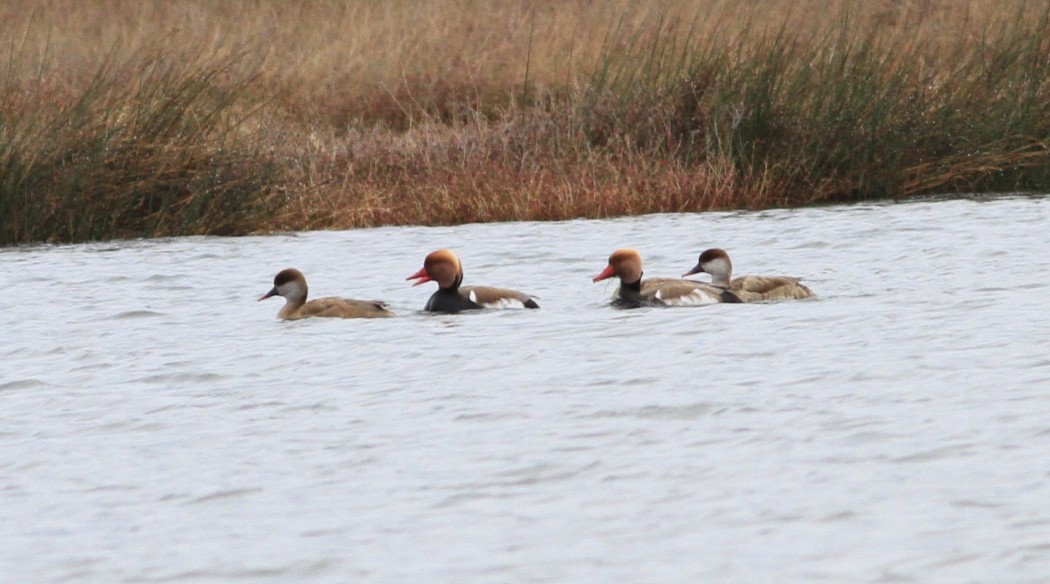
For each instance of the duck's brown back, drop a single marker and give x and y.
(679, 292)
(342, 308)
(760, 288)
(490, 297)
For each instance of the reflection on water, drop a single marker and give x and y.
(158, 423)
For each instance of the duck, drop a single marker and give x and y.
(443, 266)
(716, 262)
(635, 292)
(291, 284)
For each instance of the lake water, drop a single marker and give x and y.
(159, 424)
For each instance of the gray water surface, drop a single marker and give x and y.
(159, 424)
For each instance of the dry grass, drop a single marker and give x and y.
(278, 115)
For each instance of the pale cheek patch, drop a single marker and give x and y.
(718, 268)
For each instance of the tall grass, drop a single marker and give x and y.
(120, 119)
(149, 150)
(851, 112)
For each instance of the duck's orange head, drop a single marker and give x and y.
(626, 264)
(441, 266)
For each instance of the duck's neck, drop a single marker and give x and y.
(292, 305)
(454, 286)
(631, 288)
(630, 295)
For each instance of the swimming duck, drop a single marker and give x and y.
(443, 267)
(748, 288)
(291, 284)
(635, 292)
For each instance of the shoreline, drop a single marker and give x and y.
(219, 119)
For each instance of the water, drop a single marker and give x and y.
(161, 425)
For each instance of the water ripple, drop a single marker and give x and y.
(18, 384)
(894, 429)
(225, 494)
(135, 314)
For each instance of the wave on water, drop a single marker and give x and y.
(22, 384)
(135, 314)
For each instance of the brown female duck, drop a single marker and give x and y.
(748, 288)
(291, 284)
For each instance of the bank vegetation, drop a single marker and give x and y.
(121, 118)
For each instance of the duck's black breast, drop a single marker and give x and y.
(621, 302)
(630, 296)
(635, 301)
(449, 300)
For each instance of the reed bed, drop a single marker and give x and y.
(137, 119)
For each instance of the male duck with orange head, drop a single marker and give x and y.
(634, 292)
(443, 267)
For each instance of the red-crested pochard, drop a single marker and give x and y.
(748, 288)
(634, 292)
(443, 267)
(291, 284)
